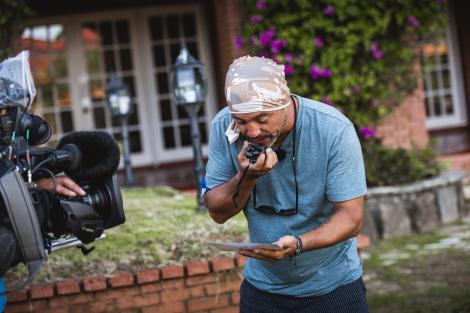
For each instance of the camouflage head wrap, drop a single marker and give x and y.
(255, 84)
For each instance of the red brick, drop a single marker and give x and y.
(18, 296)
(196, 292)
(172, 271)
(101, 306)
(147, 276)
(42, 291)
(231, 309)
(222, 264)
(151, 288)
(240, 260)
(17, 307)
(94, 284)
(200, 280)
(67, 287)
(175, 307)
(149, 299)
(207, 303)
(235, 297)
(39, 305)
(121, 280)
(197, 268)
(219, 288)
(118, 293)
(64, 301)
(175, 295)
(173, 284)
(56, 310)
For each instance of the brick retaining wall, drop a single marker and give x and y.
(211, 287)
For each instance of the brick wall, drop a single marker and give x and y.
(211, 287)
(227, 17)
(406, 124)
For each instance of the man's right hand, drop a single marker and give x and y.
(264, 164)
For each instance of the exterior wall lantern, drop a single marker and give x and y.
(119, 101)
(188, 85)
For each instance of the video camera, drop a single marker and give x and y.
(35, 222)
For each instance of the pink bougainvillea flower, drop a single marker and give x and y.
(288, 57)
(288, 69)
(277, 45)
(356, 89)
(318, 41)
(266, 37)
(260, 4)
(413, 21)
(367, 132)
(329, 10)
(238, 41)
(254, 40)
(374, 48)
(255, 19)
(325, 100)
(317, 72)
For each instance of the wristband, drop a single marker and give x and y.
(300, 245)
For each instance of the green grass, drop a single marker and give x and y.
(162, 227)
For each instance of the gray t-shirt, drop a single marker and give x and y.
(330, 169)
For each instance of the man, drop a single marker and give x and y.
(304, 192)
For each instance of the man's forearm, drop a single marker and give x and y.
(220, 201)
(342, 225)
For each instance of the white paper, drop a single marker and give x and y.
(235, 246)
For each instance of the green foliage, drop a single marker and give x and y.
(385, 166)
(11, 13)
(367, 45)
(358, 56)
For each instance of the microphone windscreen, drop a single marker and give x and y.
(100, 154)
(75, 155)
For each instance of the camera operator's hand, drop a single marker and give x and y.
(264, 164)
(65, 186)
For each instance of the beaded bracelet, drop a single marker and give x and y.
(300, 245)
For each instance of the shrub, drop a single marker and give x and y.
(385, 166)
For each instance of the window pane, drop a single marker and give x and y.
(192, 47)
(99, 117)
(182, 113)
(97, 91)
(172, 26)
(135, 142)
(203, 132)
(63, 95)
(159, 55)
(169, 137)
(129, 81)
(162, 82)
(60, 66)
(109, 63)
(446, 78)
(165, 109)
(93, 61)
(106, 33)
(156, 28)
(185, 135)
(437, 106)
(46, 95)
(126, 61)
(67, 122)
(189, 25)
(174, 51)
(122, 30)
(134, 116)
(434, 83)
(427, 106)
(448, 104)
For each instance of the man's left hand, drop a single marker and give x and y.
(288, 245)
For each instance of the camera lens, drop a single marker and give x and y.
(98, 197)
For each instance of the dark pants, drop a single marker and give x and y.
(350, 298)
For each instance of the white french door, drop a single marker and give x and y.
(72, 58)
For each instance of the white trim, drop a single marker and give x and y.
(459, 116)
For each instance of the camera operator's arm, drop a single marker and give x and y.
(65, 186)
